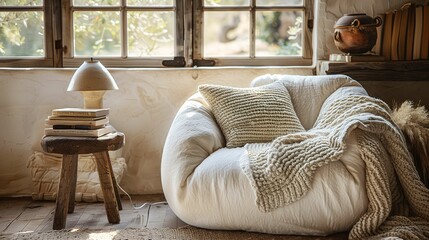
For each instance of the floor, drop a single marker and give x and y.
(23, 214)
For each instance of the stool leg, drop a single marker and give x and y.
(63, 193)
(102, 159)
(73, 184)
(115, 184)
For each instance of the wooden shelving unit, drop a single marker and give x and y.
(393, 81)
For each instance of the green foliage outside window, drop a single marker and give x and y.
(21, 2)
(97, 33)
(21, 33)
(281, 29)
(150, 34)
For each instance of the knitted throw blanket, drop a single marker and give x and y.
(398, 203)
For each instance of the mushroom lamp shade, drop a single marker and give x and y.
(92, 79)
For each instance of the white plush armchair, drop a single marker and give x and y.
(206, 187)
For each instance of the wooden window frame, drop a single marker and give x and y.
(188, 37)
(30, 61)
(198, 38)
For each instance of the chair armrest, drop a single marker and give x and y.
(193, 136)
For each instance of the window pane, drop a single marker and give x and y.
(279, 3)
(226, 3)
(226, 34)
(150, 2)
(21, 34)
(278, 33)
(96, 2)
(21, 3)
(150, 34)
(97, 33)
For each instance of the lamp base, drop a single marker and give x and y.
(93, 99)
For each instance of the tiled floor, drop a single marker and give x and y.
(24, 214)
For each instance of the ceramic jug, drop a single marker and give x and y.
(356, 33)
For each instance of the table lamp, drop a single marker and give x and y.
(92, 79)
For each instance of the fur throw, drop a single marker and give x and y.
(414, 124)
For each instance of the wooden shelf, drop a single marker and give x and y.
(378, 71)
(393, 82)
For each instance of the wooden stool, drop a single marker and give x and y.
(71, 147)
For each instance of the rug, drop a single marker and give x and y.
(157, 234)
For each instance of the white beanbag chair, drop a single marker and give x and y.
(206, 187)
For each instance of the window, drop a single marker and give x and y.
(156, 33)
(251, 32)
(25, 33)
(136, 32)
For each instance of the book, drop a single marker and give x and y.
(395, 36)
(356, 58)
(410, 32)
(80, 112)
(402, 40)
(79, 132)
(424, 54)
(81, 127)
(73, 118)
(418, 28)
(387, 35)
(76, 121)
(377, 47)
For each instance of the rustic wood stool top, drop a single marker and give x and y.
(82, 145)
(71, 147)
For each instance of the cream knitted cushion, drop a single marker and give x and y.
(252, 115)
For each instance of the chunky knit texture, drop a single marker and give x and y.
(398, 204)
(252, 115)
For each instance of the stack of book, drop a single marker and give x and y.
(406, 33)
(79, 122)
